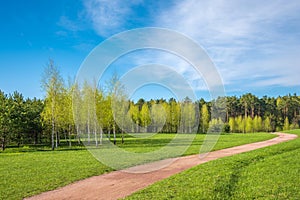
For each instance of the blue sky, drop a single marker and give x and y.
(254, 44)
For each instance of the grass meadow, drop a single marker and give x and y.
(268, 173)
(31, 170)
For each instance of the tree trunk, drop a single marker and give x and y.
(19, 139)
(89, 136)
(114, 132)
(65, 135)
(70, 142)
(35, 137)
(3, 143)
(95, 132)
(122, 131)
(78, 134)
(53, 122)
(246, 108)
(137, 127)
(56, 139)
(109, 134)
(101, 136)
(252, 112)
(227, 116)
(52, 135)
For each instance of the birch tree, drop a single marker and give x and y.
(145, 117)
(205, 118)
(52, 83)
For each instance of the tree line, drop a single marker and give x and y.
(20, 119)
(68, 110)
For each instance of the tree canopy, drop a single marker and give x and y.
(108, 110)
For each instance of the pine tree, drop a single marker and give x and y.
(4, 120)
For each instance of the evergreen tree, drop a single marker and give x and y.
(4, 120)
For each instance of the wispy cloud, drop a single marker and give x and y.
(246, 39)
(109, 17)
(252, 43)
(68, 24)
(174, 62)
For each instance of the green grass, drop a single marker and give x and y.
(25, 174)
(120, 160)
(141, 145)
(28, 171)
(269, 173)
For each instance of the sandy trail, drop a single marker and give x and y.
(119, 184)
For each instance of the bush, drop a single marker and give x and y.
(226, 128)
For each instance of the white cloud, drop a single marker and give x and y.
(68, 24)
(109, 16)
(245, 39)
(154, 56)
(252, 43)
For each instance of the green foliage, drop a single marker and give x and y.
(232, 124)
(226, 128)
(204, 118)
(257, 124)
(134, 114)
(216, 126)
(158, 116)
(68, 111)
(53, 85)
(249, 125)
(188, 117)
(20, 120)
(241, 124)
(145, 117)
(267, 125)
(4, 119)
(286, 124)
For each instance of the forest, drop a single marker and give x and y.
(69, 110)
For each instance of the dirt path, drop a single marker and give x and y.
(120, 184)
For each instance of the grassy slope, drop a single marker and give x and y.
(269, 173)
(31, 172)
